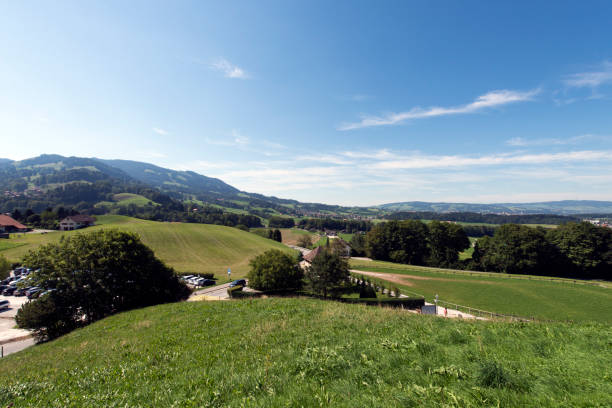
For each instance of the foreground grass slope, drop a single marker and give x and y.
(509, 294)
(186, 247)
(299, 352)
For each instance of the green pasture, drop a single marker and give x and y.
(187, 247)
(527, 296)
(310, 353)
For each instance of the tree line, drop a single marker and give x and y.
(483, 218)
(574, 249)
(322, 224)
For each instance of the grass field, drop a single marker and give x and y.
(125, 199)
(557, 300)
(310, 353)
(186, 247)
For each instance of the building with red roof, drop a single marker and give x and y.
(8, 224)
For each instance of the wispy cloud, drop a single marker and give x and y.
(591, 79)
(161, 131)
(432, 162)
(228, 69)
(488, 100)
(520, 142)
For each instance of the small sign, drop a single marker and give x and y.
(429, 309)
(229, 272)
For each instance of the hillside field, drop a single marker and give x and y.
(520, 295)
(199, 248)
(304, 352)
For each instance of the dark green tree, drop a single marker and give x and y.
(327, 274)
(275, 270)
(5, 267)
(446, 240)
(399, 241)
(94, 275)
(585, 247)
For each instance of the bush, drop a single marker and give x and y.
(275, 270)
(367, 292)
(5, 267)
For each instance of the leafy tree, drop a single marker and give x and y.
(585, 247)
(95, 275)
(403, 242)
(277, 236)
(275, 270)
(446, 240)
(328, 273)
(5, 267)
(305, 241)
(358, 245)
(516, 249)
(281, 222)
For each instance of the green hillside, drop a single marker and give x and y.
(186, 247)
(307, 353)
(529, 296)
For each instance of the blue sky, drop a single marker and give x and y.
(343, 102)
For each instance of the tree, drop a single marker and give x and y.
(446, 240)
(281, 222)
(358, 244)
(328, 273)
(5, 267)
(94, 275)
(585, 248)
(277, 236)
(516, 249)
(403, 242)
(304, 241)
(275, 270)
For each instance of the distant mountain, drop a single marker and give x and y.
(566, 207)
(172, 180)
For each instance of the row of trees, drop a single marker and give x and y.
(579, 250)
(48, 219)
(483, 218)
(322, 224)
(414, 242)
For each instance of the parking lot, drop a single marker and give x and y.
(8, 332)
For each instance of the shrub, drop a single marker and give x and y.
(367, 292)
(274, 270)
(5, 267)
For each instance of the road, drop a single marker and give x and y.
(16, 346)
(219, 291)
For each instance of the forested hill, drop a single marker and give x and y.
(549, 207)
(172, 180)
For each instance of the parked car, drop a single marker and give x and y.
(4, 304)
(9, 291)
(20, 291)
(207, 282)
(239, 282)
(31, 291)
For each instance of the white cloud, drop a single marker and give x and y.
(228, 69)
(160, 131)
(488, 100)
(519, 141)
(432, 162)
(591, 79)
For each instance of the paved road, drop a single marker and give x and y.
(219, 291)
(16, 346)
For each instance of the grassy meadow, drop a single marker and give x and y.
(528, 296)
(187, 247)
(307, 353)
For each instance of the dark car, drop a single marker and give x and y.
(20, 291)
(9, 291)
(33, 292)
(207, 282)
(239, 282)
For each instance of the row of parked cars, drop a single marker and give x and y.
(195, 280)
(18, 285)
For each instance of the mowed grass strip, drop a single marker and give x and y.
(558, 300)
(304, 352)
(187, 247)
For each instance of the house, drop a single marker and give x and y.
(8, 224)
(309, 257)
(73, 222)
